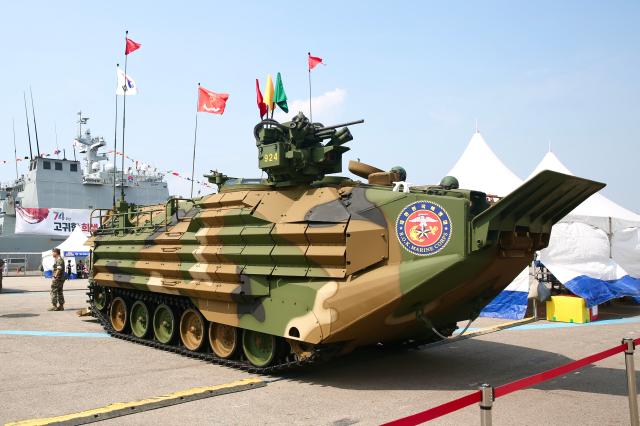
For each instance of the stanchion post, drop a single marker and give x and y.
(631, 381)
(486, 403)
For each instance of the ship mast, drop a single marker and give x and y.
(15, 150)
(81, 121)
(26, 114)
(55, 130)
(35, 125)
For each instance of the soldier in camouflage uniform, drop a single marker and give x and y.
(57, 298)
(1, 273)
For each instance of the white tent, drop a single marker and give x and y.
(74, 246)
(596, 247)
(480, 168)
(595, 210)
(598, 242)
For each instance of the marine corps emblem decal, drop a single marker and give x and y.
(423, 228)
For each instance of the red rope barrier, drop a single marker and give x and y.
(555, 372)
(439, 411)
(472, 398)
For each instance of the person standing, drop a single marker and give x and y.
(1, 272)
(80, 269)
(57, 298)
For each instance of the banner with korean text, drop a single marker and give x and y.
(51, 221)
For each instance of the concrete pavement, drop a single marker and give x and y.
(77, 368)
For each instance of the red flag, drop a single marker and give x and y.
(313, 61)
(131, 46)
(213, 103)
(261, 105)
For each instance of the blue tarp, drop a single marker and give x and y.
(508, 304)
(596, 291)
(49, 274)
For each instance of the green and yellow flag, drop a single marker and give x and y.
(268, 93)
(280, 96)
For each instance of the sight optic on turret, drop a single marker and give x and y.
(294, 153)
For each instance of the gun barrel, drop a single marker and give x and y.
(335, 126)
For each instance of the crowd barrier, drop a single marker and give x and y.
(19, 264)
(487, 394)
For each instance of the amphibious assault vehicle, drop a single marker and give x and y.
(305, 265)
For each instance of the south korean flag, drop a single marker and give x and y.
(126, 85)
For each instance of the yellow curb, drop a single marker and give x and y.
(96, 412)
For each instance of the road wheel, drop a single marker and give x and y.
(164, 324)
(118, 314)
(259, 348)
(192, 329)
(100, 298)
(223, 339)
(139, 319)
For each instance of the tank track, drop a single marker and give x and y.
(288, 363)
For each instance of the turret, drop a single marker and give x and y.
(295, 152)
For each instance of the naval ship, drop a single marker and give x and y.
(62, 184)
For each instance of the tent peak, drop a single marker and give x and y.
(550, 162)
(480, 168)
(595, 206)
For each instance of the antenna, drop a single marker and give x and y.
(35, 126)
(55, 130)
(477, 126)
(124, 116)
(81, 120)
(26, 114)
(549, 145)
(115, 145)
(15, 150)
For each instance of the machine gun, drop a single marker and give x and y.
(293, 153)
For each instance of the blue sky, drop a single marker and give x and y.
(419, 73)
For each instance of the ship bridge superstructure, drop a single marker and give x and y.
(88, 182)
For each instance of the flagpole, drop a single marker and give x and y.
(273, 105)
(115, 142)
(124, 115)
(309, 69)
(195, 138)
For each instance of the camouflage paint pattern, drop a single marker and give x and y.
(324, 264)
